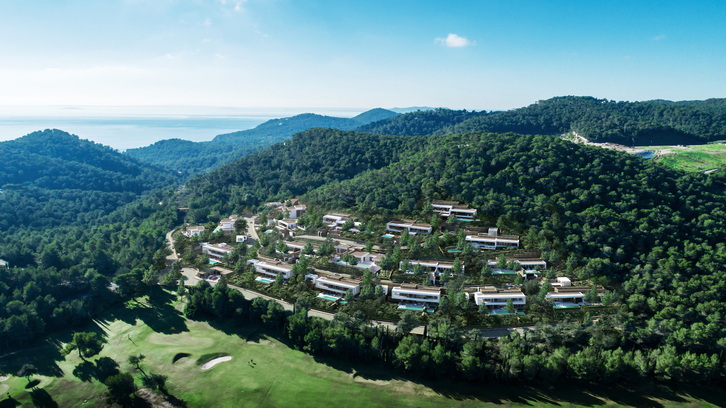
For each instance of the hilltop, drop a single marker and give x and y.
(598, 120)
(200, 157)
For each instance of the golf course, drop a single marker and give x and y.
(216, 364)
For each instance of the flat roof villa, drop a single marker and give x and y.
(270, 269)
(216, 251)
(529, 263)
(288, 223)
(448, 208)
(492, 240)
(193, 230)
(337, 284)
(409, 294)
(228, 224)
(496, 299)
(433, 265)
(571, 297)
(296, 211)
(413, 227)
(336, 219)
(343, 248)
(300, 245)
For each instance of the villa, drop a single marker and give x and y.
(336, 220)
(435, 266)
(300, 245)
(496, 299)
(449, 208)
(296, 211)
(270, 269)
(192, 231)
(337, 284)
(413, 227)
(492, 240)
(217, 251)
(228, 224)
(531, 264)
(571, 297)
(416, 294)
(288, 223)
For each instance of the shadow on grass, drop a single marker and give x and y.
(101, 370)
(45, 358)
(179, 356)
(32, 384)
(42, 399)
(9, 403)
(158, 313)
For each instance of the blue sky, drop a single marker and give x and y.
(363, 54)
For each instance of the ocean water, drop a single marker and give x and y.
(130, 127)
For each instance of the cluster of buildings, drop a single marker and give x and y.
(408, 296)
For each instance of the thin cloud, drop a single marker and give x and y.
(453, 40)
(660, 37)
(207, 22)
(220, 56)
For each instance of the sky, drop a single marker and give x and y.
(474, 55)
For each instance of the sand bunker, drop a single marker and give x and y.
(211, 363)
(3, 378)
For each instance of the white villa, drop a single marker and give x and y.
(270, 269)
(492, 240)
(228, 224)
(288, 223)
(296, 211)
(435, 266)
(336, 220)
(566, 297)
(448, 208)
(416, 294)
(193, 230)
(337, 284)
(216, 251)
(530, 263)
(413, 227)
(299, 245)
(496, 299)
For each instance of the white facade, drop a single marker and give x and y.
(241, 238)
(413, 227)
(216, 251)
(228, 224)
(416, 294)
(272, 269)
(433, 265)
(296, 211)
(528, 264)
(192, 231)
(495, 299)
(486, 241)
(289, 223)
(337, 284)
(336, 220)
(448, 208)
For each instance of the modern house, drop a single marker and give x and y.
(228, 224)
(413, 227)
(571, 297)
(560, 281)
(492, 240)
(300, 245)
(496, 299)
(270, 269)
(409, 294)
(336, 220)
(531, 264)
(337, 284)
(288, 223)
(296, 211)
(193, 230)
(449, 208)
(435, 266)
(216, 251)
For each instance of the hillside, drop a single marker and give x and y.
(52, 178)
(200, 157)
(598, 120)
(307, 161)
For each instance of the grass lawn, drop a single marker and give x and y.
(695, 157)
(279, 376)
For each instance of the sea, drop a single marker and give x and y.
(127, 127)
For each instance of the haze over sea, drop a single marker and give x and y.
(130, 127)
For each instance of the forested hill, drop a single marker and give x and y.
(653, 234)
(200, 157)
(310, 159)
(52, 178)
(599, 120)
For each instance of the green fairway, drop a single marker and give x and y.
(694, 158)
(277, 377)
